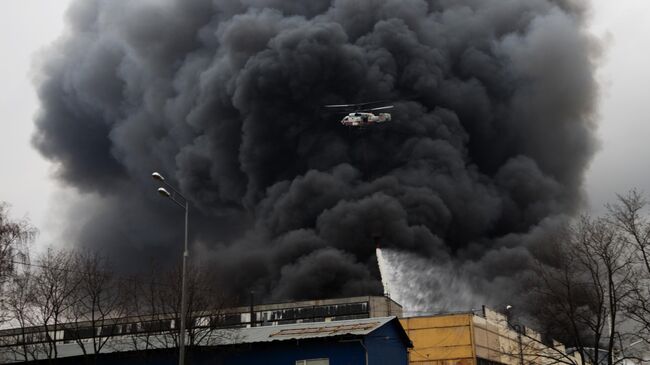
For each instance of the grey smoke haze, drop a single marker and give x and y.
(491, 133)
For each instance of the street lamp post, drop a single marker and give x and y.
(185, 205)
(519, 331)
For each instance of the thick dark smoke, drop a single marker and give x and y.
(491, 134)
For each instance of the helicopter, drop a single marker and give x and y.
(359, 115)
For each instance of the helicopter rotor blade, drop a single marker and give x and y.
(383, 107)
(357, 105)
(334, 106)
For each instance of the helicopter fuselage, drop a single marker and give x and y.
(360, 119)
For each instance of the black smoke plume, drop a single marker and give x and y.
(491, 134)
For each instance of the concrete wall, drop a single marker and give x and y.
(384, 307)
(494, 341)
(497, 340)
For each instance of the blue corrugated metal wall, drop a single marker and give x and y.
(386, 346)
(288, 352)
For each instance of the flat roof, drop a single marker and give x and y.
(297, 331)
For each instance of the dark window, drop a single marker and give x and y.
(110, 330)
(156, 326)
(225, 320)
(78, 333)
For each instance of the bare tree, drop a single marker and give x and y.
(205, 308)
(581, 284)
(145, 308)
(628, 216)
(53, 284)
(96, 301)
(18, 306)
(524, 346)
(15, 235)
(156, 300)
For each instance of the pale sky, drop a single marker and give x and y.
(622, 162)
(29, 25)
(25, 178)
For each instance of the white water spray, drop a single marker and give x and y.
(384, 271)
(423, 286)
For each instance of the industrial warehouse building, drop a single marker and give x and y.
(141, 334)
(320, 332)
(479, 338)
(379, 340)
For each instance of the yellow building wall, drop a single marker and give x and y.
(440, 340)
(459, 339)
